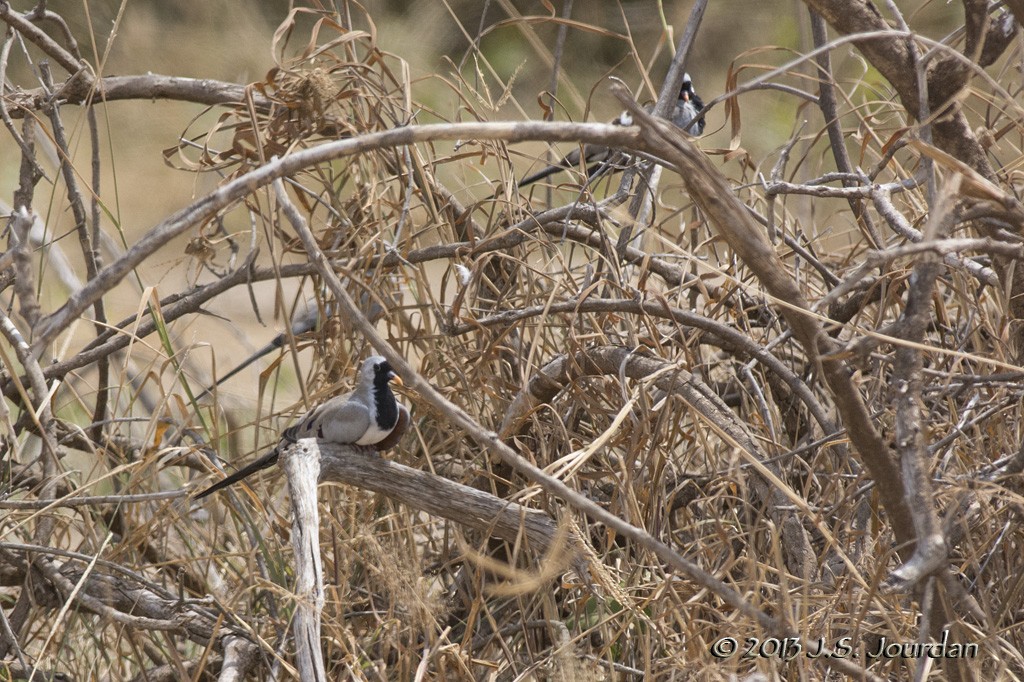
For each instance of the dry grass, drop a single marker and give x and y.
(662, 381)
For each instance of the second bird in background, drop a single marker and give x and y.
(598, 158)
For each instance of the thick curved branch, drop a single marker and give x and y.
(438, 496)
(140, 87)
(235, 190)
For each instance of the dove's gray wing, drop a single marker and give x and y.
(344, 419)
(345, 422)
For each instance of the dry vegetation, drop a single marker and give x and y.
(770, 396)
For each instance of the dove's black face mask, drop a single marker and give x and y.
(383, 397)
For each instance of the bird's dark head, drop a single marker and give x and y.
(383, 374)
(377, 372)
(686, 91)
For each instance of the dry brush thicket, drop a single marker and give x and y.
(730, 397)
